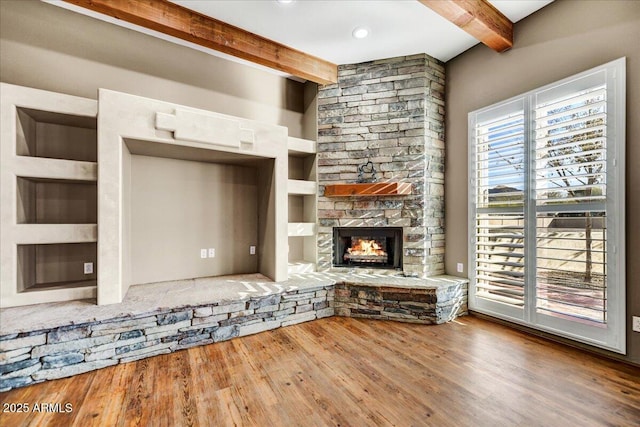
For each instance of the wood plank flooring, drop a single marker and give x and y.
(350, 372)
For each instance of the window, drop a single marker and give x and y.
(547, 208)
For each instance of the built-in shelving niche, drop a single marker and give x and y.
(55, 266)
(56, 136)
(302, 189)
(55, 201)
(54, 196)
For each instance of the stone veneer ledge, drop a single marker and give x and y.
(33, 356)
(390, 112)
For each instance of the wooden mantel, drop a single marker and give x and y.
(369, 189)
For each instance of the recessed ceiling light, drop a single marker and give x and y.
(360, 32)
(285, 1)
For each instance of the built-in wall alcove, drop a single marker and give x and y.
(185, 193)
(302, 211)
(172, 192)
(184, 200)
(55, 135)
(55, 266)
(56, 201)
(49, 192)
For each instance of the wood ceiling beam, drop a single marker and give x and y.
(177, 21)
(478, 18)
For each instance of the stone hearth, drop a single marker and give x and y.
(389, 112)
(56, 340)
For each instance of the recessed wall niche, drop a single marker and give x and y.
(186, 143)
(53, 201)
(55, 135)
(49, 196)
(179, 207)
(229, 185)
(55, 266)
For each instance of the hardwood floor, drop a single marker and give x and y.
(350, 372)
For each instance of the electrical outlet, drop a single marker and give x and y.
(252, 250)
(88, 268)
(212, 252)
(203, 253)
(460, 267)
(636, 324)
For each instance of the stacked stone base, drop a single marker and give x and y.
(428, 305)
(33, 357)
(36, 356)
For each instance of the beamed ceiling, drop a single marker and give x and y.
(306, 39)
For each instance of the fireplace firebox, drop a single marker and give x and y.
(368, 247)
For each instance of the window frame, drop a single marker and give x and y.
(613, 335)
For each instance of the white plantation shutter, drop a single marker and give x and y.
(499, 259)
(563, 286)
(500, 161)
(570, 198)
(570, 140)
(547, 208)
(499, 158)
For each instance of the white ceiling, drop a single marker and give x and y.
(323, 27)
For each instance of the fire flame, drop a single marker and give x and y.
(366, 247)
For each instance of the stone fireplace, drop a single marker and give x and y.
(390, 113)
